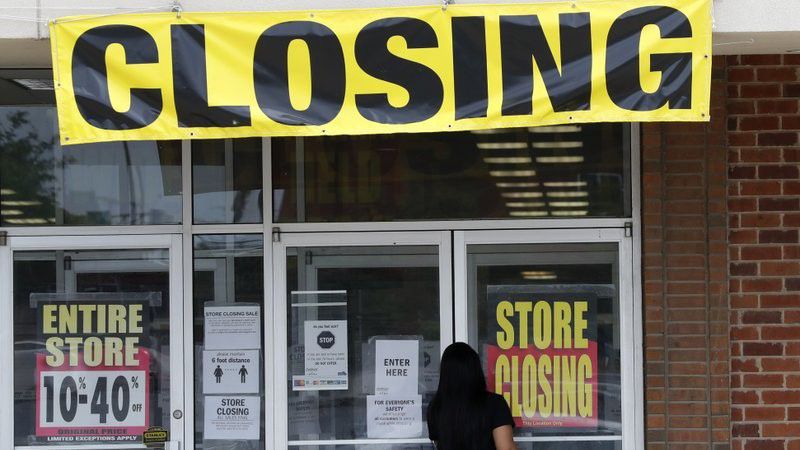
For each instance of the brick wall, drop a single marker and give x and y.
(764, 204)
(685, 280)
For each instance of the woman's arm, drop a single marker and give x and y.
(504, 438)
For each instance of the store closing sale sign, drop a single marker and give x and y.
(387, 70)
(92, 382)
(542, 357)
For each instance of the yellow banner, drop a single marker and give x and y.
(410, 69)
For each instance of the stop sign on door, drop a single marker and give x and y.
(326, 339)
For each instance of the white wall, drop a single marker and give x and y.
(740, 26)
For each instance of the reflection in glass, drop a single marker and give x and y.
(389, 293)
(557, 171)
(392, 446)
(228, 271)
(119, 183)
(563, 444)
(118, 277)
(227, 181)
(542, 271)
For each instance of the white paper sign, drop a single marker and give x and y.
(430, 365)
(325, 356)
(230, 372)
(396, 367)
(232, 417)
(390, 417)
(232, 327)
(304, 413)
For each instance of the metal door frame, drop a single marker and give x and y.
(631, 376)
(178, 317)
(279, 368)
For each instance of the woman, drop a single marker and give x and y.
(462, 414)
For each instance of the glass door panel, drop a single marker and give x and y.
(94, 359)
(365, 321)
(546, 311)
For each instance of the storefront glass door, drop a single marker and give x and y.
(548, 311)
(363, 317)
(95, 363)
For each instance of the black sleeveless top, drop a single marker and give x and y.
(497, 414)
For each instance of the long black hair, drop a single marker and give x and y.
(457, 412)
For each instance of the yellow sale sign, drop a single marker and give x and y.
(415, 69)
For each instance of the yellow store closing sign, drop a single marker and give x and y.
(411, 69)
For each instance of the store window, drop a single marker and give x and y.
(228, 342)
(227, 181)
(91, 346)
(545, 319)
(567, 171)
(120, 183)
(363, 329)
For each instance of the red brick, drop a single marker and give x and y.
(743, 236)
(745, 430)
(743, 269)
(742, 205)
(741, 107)
(744, 397)
(780, 301)
(791, 251)
(742, 172)
(756, 253)
(776, 107)
(757, 123)
(739, 74)
(777, 237)
(742, 139)
(776, 172)
(760, 60)
(791, 188)
(778, 204)
(761, 220)
(775, 74)
(762, 349)
(790, 122)
(782, 268)
(777, 139)
(759, 155)
(791, 90)
(780, 429)
(780, 364)
(763, 380)
(781, 397)
(760, 187)
(753, 317)
(752, 413)
(761, 285)
(764, 445)
(780, 333)
(757, 91)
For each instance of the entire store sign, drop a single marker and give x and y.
(93, 379)
(410, 69)
(542, 357)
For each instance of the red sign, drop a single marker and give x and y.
(542, 356)
(554, 388)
